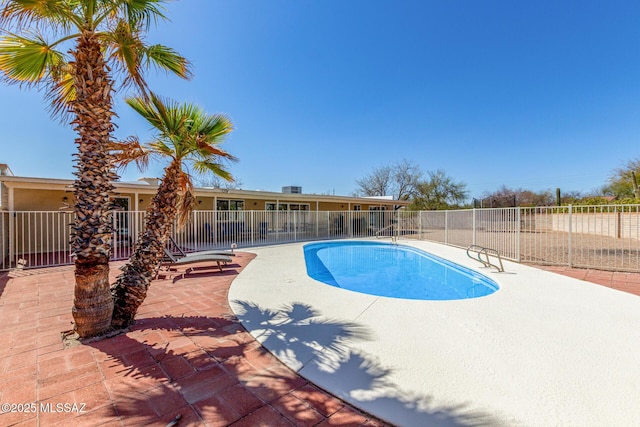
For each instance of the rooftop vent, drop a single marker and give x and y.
(291, 189)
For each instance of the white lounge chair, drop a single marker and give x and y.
(182, 253)
(173, 261)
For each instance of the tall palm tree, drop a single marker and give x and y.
(187, 137)
(105, 38)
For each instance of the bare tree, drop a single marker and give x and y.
(399, 180)
(407, 177)
(217, 182)
(509, 197)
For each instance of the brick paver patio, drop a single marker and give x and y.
(627, 282)
(187, 356)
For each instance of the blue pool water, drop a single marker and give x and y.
(393, 271)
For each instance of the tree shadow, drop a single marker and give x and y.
(297, 334)
(195, 368)
(172, 368)
(319, 349)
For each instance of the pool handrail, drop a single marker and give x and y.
(394, 238)
(488, 253)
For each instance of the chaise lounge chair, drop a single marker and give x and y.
(172, 261)
(182, 253)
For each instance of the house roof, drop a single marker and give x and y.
(144, 187)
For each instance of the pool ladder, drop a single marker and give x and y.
(477, 252)
(394, 238)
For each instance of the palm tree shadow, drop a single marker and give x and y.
(319, 349)
(187, 368)
(297, 334)
(168, 367)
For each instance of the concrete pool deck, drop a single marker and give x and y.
(543, 350)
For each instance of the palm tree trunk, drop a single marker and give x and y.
(91, 231)
(130, 289)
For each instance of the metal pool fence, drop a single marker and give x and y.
(599, 237)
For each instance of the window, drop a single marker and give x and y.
(230, 205)
(357, 207)
(228, 210)
(298, 207)
(271, 206)
(121, 219)
(121, 203)
(222, 205)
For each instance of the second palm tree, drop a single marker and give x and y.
(187, 136)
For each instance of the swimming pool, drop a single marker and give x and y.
(395, 271)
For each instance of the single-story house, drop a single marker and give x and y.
(35, 214)
(51, 194)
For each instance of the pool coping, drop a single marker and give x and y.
(543, 350)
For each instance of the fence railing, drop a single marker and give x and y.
(40, 239)
(600, 237)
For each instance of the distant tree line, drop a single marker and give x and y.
(436, 190)
(406, 181)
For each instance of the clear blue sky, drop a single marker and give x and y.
(533, 95)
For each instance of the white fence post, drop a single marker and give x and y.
(570, 260)
(12, 237)
(473, 228)
(446, 227)
(519, 231)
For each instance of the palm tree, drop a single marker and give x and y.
(105, 38)
(186, 136)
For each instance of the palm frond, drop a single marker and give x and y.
(27, 59)
(60, 92)
(217, 169)
(124, 47)
(168, 60)
(145, 12)
(148, 111)
(172, 122)
(207, 150)
(30, 13)
(130, 150)
(126, 50)
(162, 149)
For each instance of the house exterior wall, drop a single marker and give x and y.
(52, 199)
(37, 213)
(40, 200)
